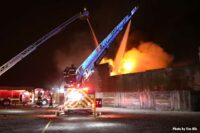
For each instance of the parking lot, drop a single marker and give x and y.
(43, 120)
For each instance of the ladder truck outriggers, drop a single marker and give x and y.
(78, 96)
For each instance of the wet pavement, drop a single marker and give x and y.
(112, 120)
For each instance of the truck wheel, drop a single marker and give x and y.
(44, 102)
(6, 102)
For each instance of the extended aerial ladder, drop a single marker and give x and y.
(77, 95)
(86, 69)
(41, 41)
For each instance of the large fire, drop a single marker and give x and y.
(146, 56)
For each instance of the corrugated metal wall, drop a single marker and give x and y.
(162, 89)
(182, 78)
(153, 100)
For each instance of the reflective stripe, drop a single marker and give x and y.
(79, 104)
(86, 96)
(75, 105)
(84, 104)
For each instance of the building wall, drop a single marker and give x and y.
(151, 100)
(163, 89)
(182, 78)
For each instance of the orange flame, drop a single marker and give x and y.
(147, 56)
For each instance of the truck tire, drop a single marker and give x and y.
(6, 102)
(44, 102)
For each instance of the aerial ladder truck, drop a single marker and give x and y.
(77, 96)
(12, 62)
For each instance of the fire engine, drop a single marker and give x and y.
(10, 97)
(42, 97)
(76, 79)
(77, 96)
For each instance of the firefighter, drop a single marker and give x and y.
(51, 100)
(70, 74)
(65, 73)
(73, 67)
(39, 102)
(69, 70)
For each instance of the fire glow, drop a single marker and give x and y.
(147, 56)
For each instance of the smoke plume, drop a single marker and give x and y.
(73, 52)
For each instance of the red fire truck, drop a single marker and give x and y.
(9, 97)
(22, 96)
(42, 97)
(77, 96)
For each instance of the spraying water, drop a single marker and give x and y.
(147, 56)
(121, 50)
(93, 34)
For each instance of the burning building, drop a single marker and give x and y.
(160, 89)
(142, 78)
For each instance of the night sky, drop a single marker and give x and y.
(174, 25)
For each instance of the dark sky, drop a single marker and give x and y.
(174, 25)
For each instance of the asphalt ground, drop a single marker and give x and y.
(113, 120)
